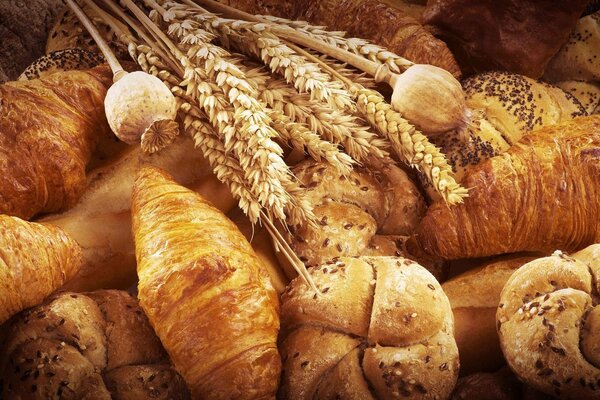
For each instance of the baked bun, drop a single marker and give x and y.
(504, 107)
(587, 93)
(353, 210)
(61, 60)
(380, 322)
(474, 297)
(549, 324)
(97, 345)
(500, 385)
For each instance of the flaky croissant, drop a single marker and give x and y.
(35, 260)
(48, 128)
(543, 194)
(205, 292)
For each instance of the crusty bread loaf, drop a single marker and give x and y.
(549, 324)
(205, 293)
(354, 210)
(519, 36)
(503, 108)
(578, 58)
(380, 323)
(92, 346)
(35, 260)
(474, 297)
(542, 194)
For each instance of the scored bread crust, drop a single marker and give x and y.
(542, 194)
(381, 328)
(549, 324)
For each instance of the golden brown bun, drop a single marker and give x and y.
(101, 220)
(542, 194)
(379, 322)
(474, 297)
(385, 25)
(35, 260)
(549, 325)
(136, 382)
(519, 36)
(204, 292)
(587, 93)
(578, 58)
(503, 107)
(48, 129)
(68, 347)
(351, 210)
(501, 385)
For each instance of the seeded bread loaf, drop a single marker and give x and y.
(549, 324)
(380, 329)
(92, 346)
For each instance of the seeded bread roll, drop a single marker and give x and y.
(381, 322)
(578, 58)
(353, 211)
(474, 297)
(504, 107)
(587, 93)
(549, 324)
(97, 345)
(61, 60)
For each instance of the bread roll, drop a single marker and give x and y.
(549, 324)
(541, 194)
(205, 292)
(474, 297)
(587, 93)
(503, 108)
(518, 36)
(501, 385)
(35, 260)
(578, 58)
(352, 210)
(61, 60)
(93, 346)
(380, 323)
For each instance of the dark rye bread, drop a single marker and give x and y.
(24, 26)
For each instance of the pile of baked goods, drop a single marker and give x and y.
(335, 199)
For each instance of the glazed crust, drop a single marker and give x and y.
(547, 322)
(195, 265)
(381, 328)
(373, 20)
(543, 194)
(35, 260)
(48, 129)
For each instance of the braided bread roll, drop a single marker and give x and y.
(35, 260)
(93, 346)
(381, 322)
(48, 129)
(205, 292)
(549, 324)
(542, 194)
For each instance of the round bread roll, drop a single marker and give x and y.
(353, 211)
(381, 328)
(474, 297)
(97, 345)
(500, 385)
(549, 324)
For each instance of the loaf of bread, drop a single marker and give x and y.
(542, 194)
(503, 107)
(381, 328)
(549, 324)
(61, 60)
(376, 21)
(578, 58)
(518, 36)
(48, 128)
(101, 221)
(93, 346)
(474, 297)
(205, 292)
(35, 260)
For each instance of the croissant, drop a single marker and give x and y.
(543, 194)
(35, 260)
(205, 292)
(376, 21)
(549, 324)
(48, 128)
